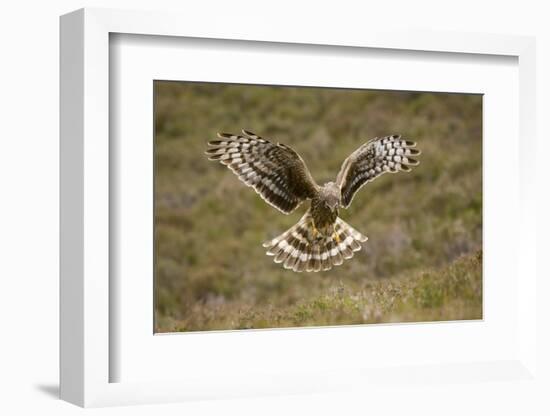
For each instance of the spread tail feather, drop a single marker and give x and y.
(299, 249)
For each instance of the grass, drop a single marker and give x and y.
(451, 292)
(422, 260)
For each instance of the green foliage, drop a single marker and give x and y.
(448, 293)
(211, 270)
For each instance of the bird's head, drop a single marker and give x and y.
(331, 196)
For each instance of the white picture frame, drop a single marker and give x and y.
(86, 352)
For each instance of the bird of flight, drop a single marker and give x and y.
(321, 239)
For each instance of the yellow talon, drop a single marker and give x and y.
(315, 231)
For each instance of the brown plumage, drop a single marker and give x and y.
(279, 175)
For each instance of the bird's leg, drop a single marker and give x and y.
(335, 235)
(315, 231)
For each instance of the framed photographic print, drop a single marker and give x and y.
(270, 213)
(423, 261)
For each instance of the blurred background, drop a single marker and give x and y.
(422, 261)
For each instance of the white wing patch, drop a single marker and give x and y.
(374, 158)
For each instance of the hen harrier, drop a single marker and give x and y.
(279, 175)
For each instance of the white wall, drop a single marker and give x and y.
(29, 183)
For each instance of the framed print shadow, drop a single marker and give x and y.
(346, 244)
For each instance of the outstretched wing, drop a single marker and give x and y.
(377, 156)
(275, 171)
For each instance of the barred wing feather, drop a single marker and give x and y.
(372, 159)
(275, 171)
